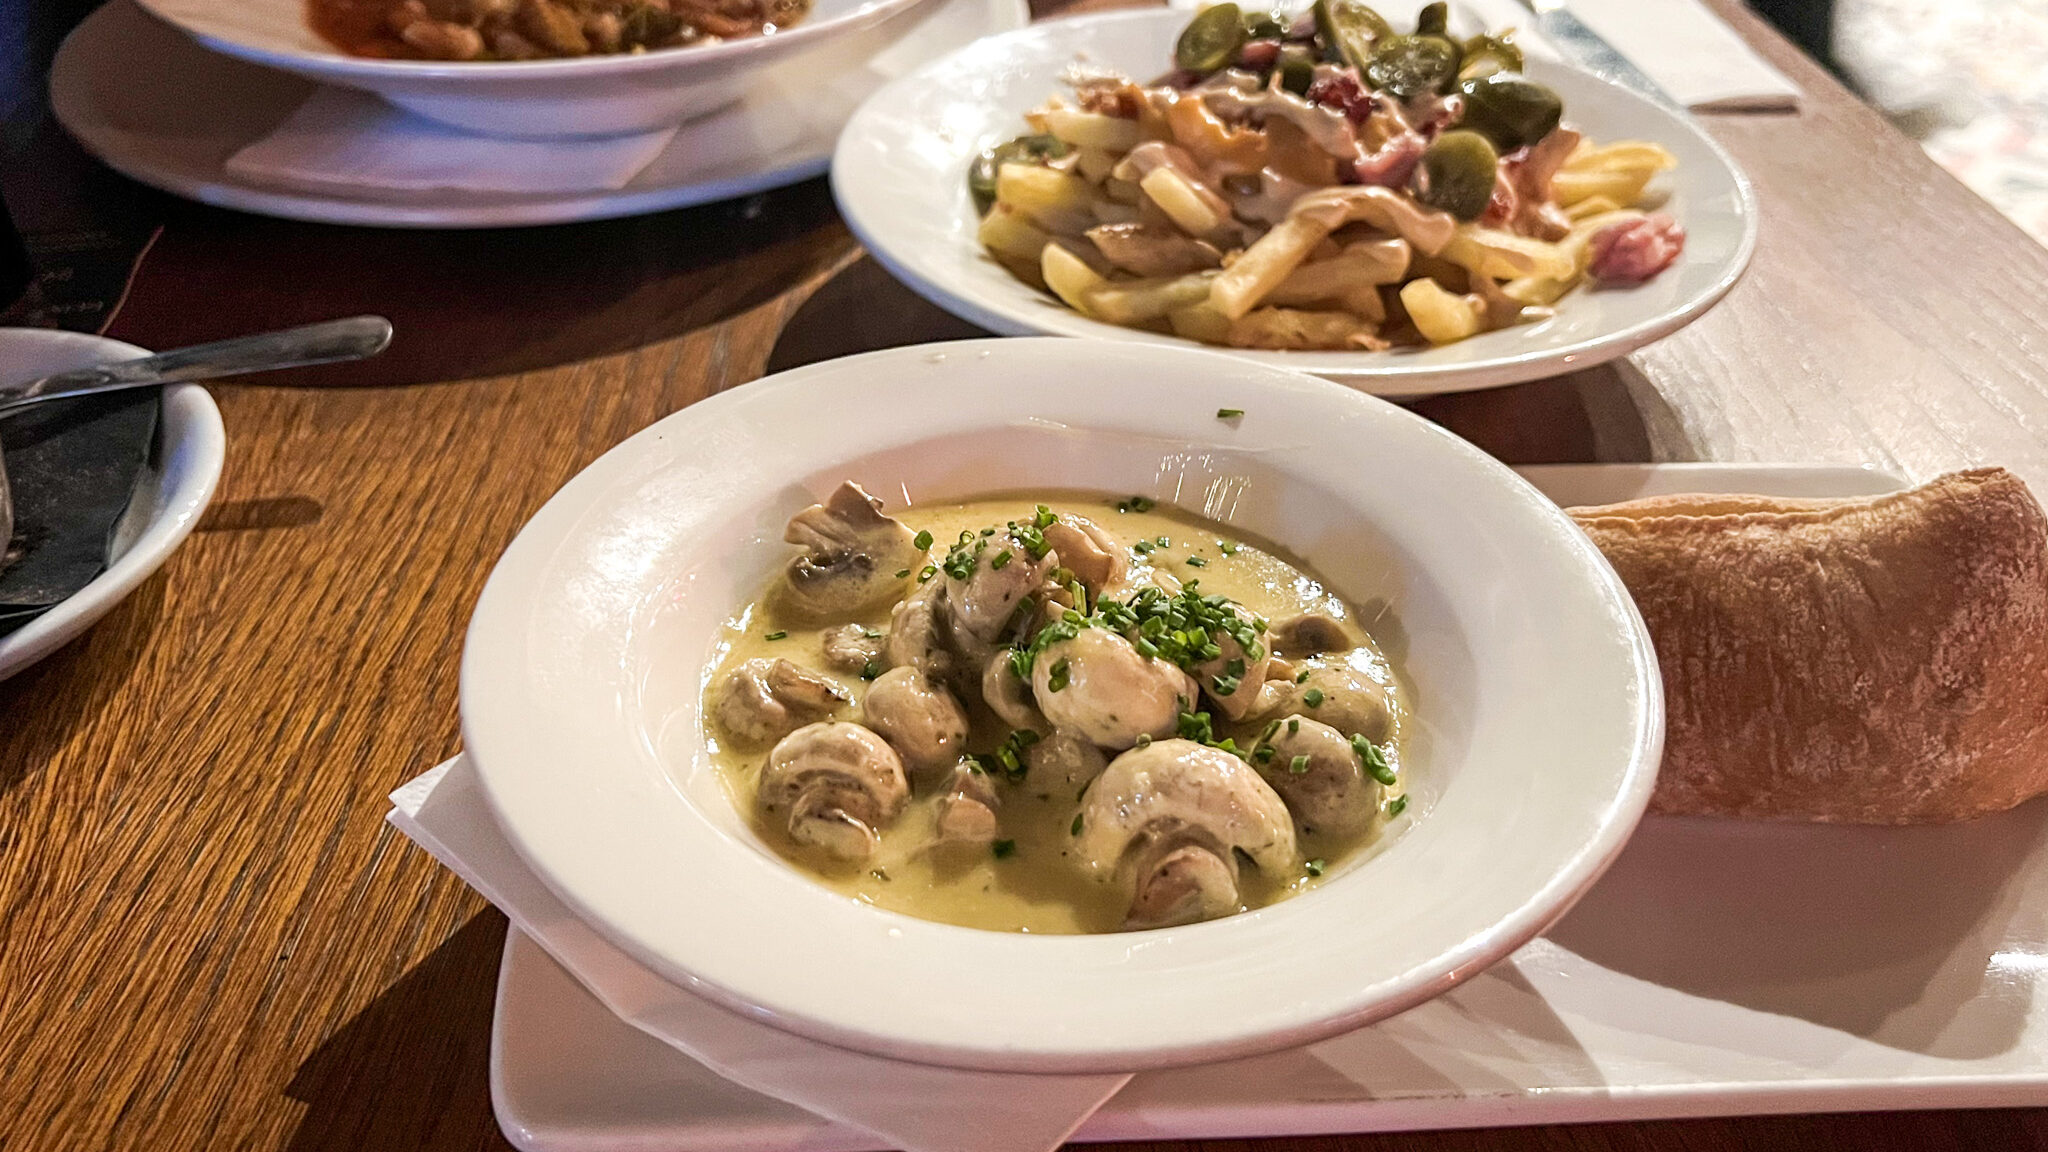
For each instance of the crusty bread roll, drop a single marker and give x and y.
(1873, 661)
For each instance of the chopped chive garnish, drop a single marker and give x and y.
(1001, 561)
(1229, 547)
(1397, 805)
(1229, 413)
(1044, 517)
(1375, 761)
(902, 572)
(1314, 867)
(1298, 765)
(1313, 697)
(872, 670)
(923, 541)
(1136, 504)
(1197, 562)
(1057, 679)
(1144, 738)
(1293, 725)
(1301, 677)
(1226, 685)
(776, 636)
(1003, 848)
(1076, 829)
(1270, 729)
(871, 634)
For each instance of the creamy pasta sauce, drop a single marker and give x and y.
(1030, 879)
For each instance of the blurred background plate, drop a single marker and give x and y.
(159, 108)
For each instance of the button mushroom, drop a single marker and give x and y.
(966, 811)
(1167, 821)
(836, 786)
(763, 700)
(1309, 634)
(855, 559)
(1334, 693)
(1231, 680)
(1007, 695)
(851, 647)
(987, 577)
(1062, 764)
(1097, 559)
(919, 718)
(917, 633)
(1097, 686)
(1316, 770)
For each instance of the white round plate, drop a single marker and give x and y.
(158, 108)
(900, 177)
(175, 487)
(1538, 718)
(596, 95)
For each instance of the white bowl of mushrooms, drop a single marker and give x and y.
(534, 68)
(1041, 705)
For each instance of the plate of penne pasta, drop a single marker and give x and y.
(1373, 198)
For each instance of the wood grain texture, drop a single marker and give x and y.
(209, 938)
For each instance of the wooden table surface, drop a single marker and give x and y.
(210, 937)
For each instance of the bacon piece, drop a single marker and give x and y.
(1391, 166)
(1635, 250)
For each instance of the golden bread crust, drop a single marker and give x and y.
(1881, 660)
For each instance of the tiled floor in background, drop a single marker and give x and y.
(1969, 79)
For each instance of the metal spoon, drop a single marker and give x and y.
(325, 343)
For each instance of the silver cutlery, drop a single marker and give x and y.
(1585, 48)
(329, 342)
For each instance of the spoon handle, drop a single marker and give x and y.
(324, 343)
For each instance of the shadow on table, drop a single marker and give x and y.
(863, 309)
(43, 707)
(412, 1069)
(1907, 937)
(473, 303)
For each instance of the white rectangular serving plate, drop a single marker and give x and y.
(1720, 968)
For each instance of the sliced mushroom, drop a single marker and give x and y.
(1315, 769)
(1150, 250)
(1231, 681)
(1062, 764)
(1008, 696)
(1309, 634)
(855, 559)
(835, 786)
(1002, 574)
(1168, 819)
(966, 812)
(852, 647)
(1334, 693)
(1097, 686)
(919, 718)
(1097, 559)
(763, 700)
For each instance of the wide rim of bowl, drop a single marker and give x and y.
(192, 440)
(726, 52)
(539, 803)
(1390, 374)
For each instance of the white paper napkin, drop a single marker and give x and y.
(915, 1107)
(346, 141)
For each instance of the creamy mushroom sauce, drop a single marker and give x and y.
(1037, 883)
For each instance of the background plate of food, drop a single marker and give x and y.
(1403, 211)
(529, 68)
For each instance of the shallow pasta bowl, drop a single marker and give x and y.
(1536, 724)
(583, 96)
(900, 176)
